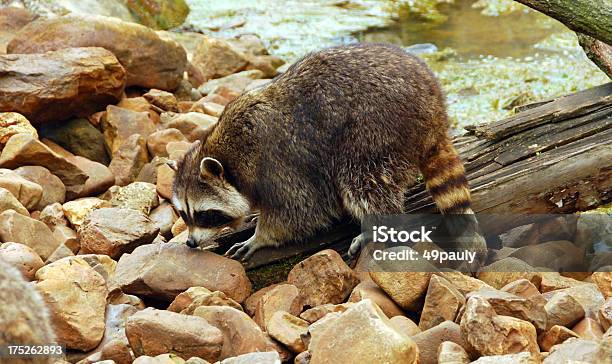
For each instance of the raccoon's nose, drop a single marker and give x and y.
(191, 243)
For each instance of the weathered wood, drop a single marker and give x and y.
(553, 158)
(590, 17)
(598, 52)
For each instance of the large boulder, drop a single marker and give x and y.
(149, 60)
(11, 20)
(163, 271)
(60, 84)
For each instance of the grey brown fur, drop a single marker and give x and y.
(343, 131)
(23, 315)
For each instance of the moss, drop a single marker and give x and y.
(159, 14)
(274, 273)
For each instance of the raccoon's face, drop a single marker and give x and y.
(206, 201)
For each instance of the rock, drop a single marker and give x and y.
(12, 123)
(552, 281)
(53, 190)
(100, 177)
(157, 141)
(192, 124)
(555, 335)
(61, 252)
(587, 295)
(452, 353)
(115, 231)
(250, 304)
(80, 137)
(164, 217)
(235, 83)
(563, 310)
(60, 84)
(187, 302)
(23, 150)
(303, 358)
(524, 288)
(217, 58)
(240, 334)
(12, 19)
(429, 340)
(316, 313)
(508, 304)
(405, 325)
(25, 191)
(603, 280)
(116, 297)
(588, 329)
(492, 334)
(154, 332)
(268, 357)
(165, 180)
(283, 297)
(53, 216)
(442, 302)
(575, 350)
(140, 196)
(507, 270)
(206, 107)
(520, 358)
(406, 288)
(76, 211)
(561, 255)
(266, 64)
(140, 104)
(605, 314)
(114, 345)
(369, 289)
(162, 99)
(176, 150)
(9, 202)
(163, 271)
(464, 283)
(129, 159)
(360, 334)
(159, 63)
(18, 228)
(158, 14)
(76, 295)
(288, 329)
(101, 263)
(21, 257)
(119, 124)
(323, 278)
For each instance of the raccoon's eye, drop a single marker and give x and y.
(211, 218)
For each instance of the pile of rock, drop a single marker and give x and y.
(91, 108)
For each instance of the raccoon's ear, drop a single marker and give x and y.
(210, 167)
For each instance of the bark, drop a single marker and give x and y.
(554, 157)
(598, 52)
(590, 17)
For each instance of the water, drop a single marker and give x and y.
(486, 64)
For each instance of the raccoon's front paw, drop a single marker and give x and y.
(358, 243)
(243, 251)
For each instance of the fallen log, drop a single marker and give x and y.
(555, 157)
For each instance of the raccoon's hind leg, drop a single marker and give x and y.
(375, 194)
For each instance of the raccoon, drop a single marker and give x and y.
(345, 130)
(23, 315)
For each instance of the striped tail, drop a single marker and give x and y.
(445, 180)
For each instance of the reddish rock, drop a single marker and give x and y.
(194, 297)
(153, 332)
(115, 231)
(288, 330)
(12, 123)
(120, 124)
(100, 177)
(429, 340)
(283, 297)
(53, 190)
(240, 334)
(76, 296)
(588, 329)
(563, 310)
(10, 202)
(11, 20)
(60, 84)
(442, 302)
(164, 217)
(23, 150)
(27, 193)
(159, 63)
(17, 228)
(232, 85)
(21, 257)
(129, 159)
(192, 124)
(162, 99)
(323, 278)
(405, 325)
(369, 290)
(165, 270)
(316, 313)
(216, 58)
(555, 335)
(157, 141)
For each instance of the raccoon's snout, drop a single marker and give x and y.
(191, 242)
